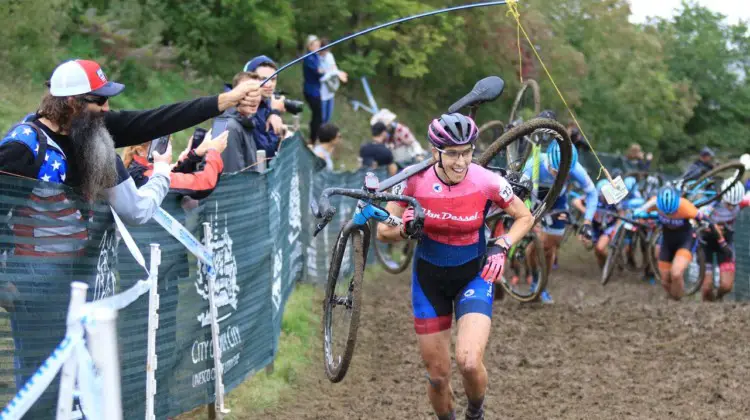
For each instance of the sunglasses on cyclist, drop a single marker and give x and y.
(99, 100)
(455, 154)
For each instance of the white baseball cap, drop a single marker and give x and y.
(745, 159)
(78, 77)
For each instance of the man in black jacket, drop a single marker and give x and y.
(702, 165)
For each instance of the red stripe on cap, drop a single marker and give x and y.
(94, 73)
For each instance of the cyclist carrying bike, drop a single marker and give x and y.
(603, 225)
(719, 241)
(552, 234)
(450, 274)
(678, 237)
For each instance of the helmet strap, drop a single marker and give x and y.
(440, 165)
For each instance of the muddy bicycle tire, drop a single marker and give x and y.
(698, 253)
(518, 133)
(536, 92)
(614, 256)
(386, 261)
(532, 239)
(486, 127)
(336, 371)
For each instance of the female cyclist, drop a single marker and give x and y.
(678, 238)
(603, 225)
(719, 241)
(552, 234)
(453, 269)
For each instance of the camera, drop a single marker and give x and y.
(292, 106)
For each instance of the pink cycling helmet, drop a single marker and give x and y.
(452, 130)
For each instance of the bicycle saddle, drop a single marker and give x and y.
(486, 90)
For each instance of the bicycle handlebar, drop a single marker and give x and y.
(324, 210)
(625, 219)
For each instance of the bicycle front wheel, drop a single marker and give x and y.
(537, 126)
(343, 300)
(614, 257)
(394, 258)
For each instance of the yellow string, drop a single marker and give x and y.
(513, 11)
(513, 5)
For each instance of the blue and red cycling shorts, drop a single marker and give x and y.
(437, 291)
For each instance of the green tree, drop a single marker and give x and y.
(701, 47)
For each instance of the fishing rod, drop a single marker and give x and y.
(385, 25)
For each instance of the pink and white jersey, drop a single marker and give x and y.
(454, 215)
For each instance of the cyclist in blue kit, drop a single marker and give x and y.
(552, 234)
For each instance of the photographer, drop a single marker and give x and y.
(241, 150)
(269, 128)
(636, 160)
(197, 171)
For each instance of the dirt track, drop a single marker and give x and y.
(617, 352)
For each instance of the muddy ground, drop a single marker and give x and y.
(616, 352)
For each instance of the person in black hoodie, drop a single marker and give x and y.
(241, 148)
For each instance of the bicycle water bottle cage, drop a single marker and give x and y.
(369, 211)
(486, 90)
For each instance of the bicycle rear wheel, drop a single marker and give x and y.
(524, 279)
(394, 258)
(534, 127)
(614, 257)
(344, 292)
(527, 100)
(488, 133)
(710, 187)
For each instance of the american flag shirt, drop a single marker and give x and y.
(60, 229)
